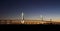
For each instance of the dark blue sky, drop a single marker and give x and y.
(31, 8)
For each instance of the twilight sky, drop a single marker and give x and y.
(31, 8)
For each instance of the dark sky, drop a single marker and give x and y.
(31, 8)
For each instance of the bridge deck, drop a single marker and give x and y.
(27, 22)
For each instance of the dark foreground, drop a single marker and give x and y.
(30, 27)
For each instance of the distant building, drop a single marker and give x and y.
(50, 19)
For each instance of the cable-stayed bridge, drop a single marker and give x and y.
(25, 21)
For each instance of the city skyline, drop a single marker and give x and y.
(49, 9)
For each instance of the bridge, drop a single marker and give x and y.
(23, 21)
(27, 22)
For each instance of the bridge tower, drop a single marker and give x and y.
(22, 21)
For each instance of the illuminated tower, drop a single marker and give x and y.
(22, 16)
(22, 21)
(41, 17)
